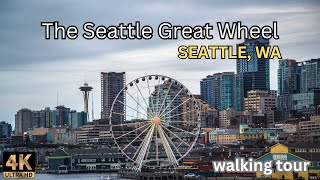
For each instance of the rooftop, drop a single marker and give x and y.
(309, 156)
(302, 145)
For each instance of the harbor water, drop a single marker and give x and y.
(77, 176)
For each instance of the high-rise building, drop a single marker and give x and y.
(226, 116)
(23, 121)
(111, 84)
(91, 133)
(77, 119)
(285, 102)
(296, 82)
(48, 118)
(260, 101)
(254, 74)
(304, 100)
(209, 116)
(289, 77)
(218, 90)
(62, 116)
(238, 93)
(5, 129)
(310, 75)
(167, 101)
(275, 116)
(59, 117)
(310, 126)
(208, 89)
(44, 118)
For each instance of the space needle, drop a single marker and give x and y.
(86, 90)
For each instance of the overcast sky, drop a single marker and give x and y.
(33, 69)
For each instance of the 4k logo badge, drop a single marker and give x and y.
(19, 165)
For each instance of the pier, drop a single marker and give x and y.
(151, 175)
(76, 171)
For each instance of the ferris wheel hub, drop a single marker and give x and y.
(156, 120)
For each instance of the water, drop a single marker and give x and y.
(76, 176)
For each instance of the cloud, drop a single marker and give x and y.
(33, 69)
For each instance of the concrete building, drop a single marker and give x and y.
(111, 84)
(209, 116)
(269, 134)
(41, 135)
(270, 117)
(274, 116)
(315, 118)
(226, 116)
(234, 136)
(5, 129)
(287, 128)
(257, 119)
(310, 126)
(231, 138)
(56, 135)
(201, 160)
(94, 134)
(5, 142)
(260, 101)
(223, 136)
(23, 121)
(65, 135)
(17, 140)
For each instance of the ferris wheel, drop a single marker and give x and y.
(155, 121)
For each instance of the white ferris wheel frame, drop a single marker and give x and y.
(162, 130)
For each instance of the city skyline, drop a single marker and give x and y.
(31, 75)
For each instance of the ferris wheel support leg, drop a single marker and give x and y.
(167, 147)
(177, 137)
(144, 148)
(157, 146)
(175, 147)
(135, 138)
